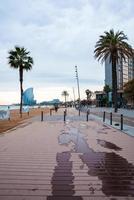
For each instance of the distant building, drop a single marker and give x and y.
(108, 73)
(104, 99)
(52, 102)
(28, 97)
(99, 96)
(55, 101)
(125, 72)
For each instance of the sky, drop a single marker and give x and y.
(59, 35)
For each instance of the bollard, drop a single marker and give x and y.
(79, 111)
(50, 111)
(28, 113)
(64, 115)
(121, 122)
(87, 115)
(110, 118)
(104, 116)
(42, 116)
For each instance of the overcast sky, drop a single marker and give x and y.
(59, 35)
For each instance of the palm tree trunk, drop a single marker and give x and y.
(114, 83)
(21, 89)
(107, 98)
(65, 101)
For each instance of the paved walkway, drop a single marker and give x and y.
(125, 112)
(76, 160)
(128, 118)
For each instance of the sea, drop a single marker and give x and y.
(14, 107)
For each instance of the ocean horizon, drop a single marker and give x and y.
(15, 107)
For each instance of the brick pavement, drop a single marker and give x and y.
(53, 160)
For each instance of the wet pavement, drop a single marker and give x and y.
(108, 145)
(128, 117)
(72, 160)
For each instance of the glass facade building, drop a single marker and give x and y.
(125, 72)
(28, 97)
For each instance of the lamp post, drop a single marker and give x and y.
(74, 96)
(77, 78)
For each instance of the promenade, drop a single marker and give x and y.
(72, 160)
(128, 117)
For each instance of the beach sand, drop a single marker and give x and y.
(16, 120)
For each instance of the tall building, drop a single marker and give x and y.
(28, 97)
(125, 72)
(108, 73)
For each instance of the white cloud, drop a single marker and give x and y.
(60, 34)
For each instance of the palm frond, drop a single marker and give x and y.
(112, 44)
(19, 57)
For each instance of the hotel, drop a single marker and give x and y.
(125, 72)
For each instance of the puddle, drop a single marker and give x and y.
(2, 134)
(102, 132)
(83, 125)
(108, 145)
(105, 127)
(73, 135)
(62, 180)
(116, 174)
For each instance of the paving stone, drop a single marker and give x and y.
(53, 160)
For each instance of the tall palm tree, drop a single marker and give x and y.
(65, 94)
(88, 93)
(113, 46)
(19, 59)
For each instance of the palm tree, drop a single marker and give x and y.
(107, 89)
(19, 59)
(88, 93)
(65, 94)
(113, 46)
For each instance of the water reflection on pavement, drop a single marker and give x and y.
(116, 174)
(62, 180)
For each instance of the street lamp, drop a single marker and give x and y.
(77, 78)
(74, 96)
